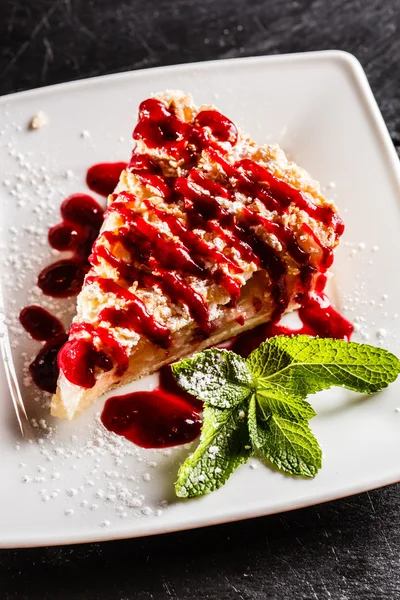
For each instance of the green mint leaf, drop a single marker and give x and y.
(259, 404)
(279, 402)
(217, 377)
(224, 445)
(302, 365)
(288, 445)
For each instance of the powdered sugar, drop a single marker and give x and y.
(110, 473)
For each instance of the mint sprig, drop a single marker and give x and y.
(288, 444)
(224, 446)
(216, 377)
(259, 405)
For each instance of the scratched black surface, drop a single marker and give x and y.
(343, 550)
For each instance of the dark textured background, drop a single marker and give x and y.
(344, 550)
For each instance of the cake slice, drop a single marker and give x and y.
(206, 235)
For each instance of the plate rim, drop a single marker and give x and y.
(382, 137)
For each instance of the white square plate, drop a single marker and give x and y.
(77, 484)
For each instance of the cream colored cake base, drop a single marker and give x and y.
(70, 400)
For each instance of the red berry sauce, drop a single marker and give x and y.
(103, 177)
(62, 279)
(40, 324)
(318, 316)
(164, 417)
(82, 218)
(78, 359)
(81, 221)
(44, 368)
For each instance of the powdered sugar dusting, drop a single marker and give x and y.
(98, 470)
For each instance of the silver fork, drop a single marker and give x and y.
(9, 369)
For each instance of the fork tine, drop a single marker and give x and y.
(14, 399)
(13, 383)
(11, 376)
(14, 379)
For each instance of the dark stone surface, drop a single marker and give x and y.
(344, 550)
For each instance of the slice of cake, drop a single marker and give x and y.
(206, 235)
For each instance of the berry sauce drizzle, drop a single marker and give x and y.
(318, 318)
(40, 324)
(164, 417)
(44, 368)
(161, 129)
(103, 177)
(44, 327)
(81, 217)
